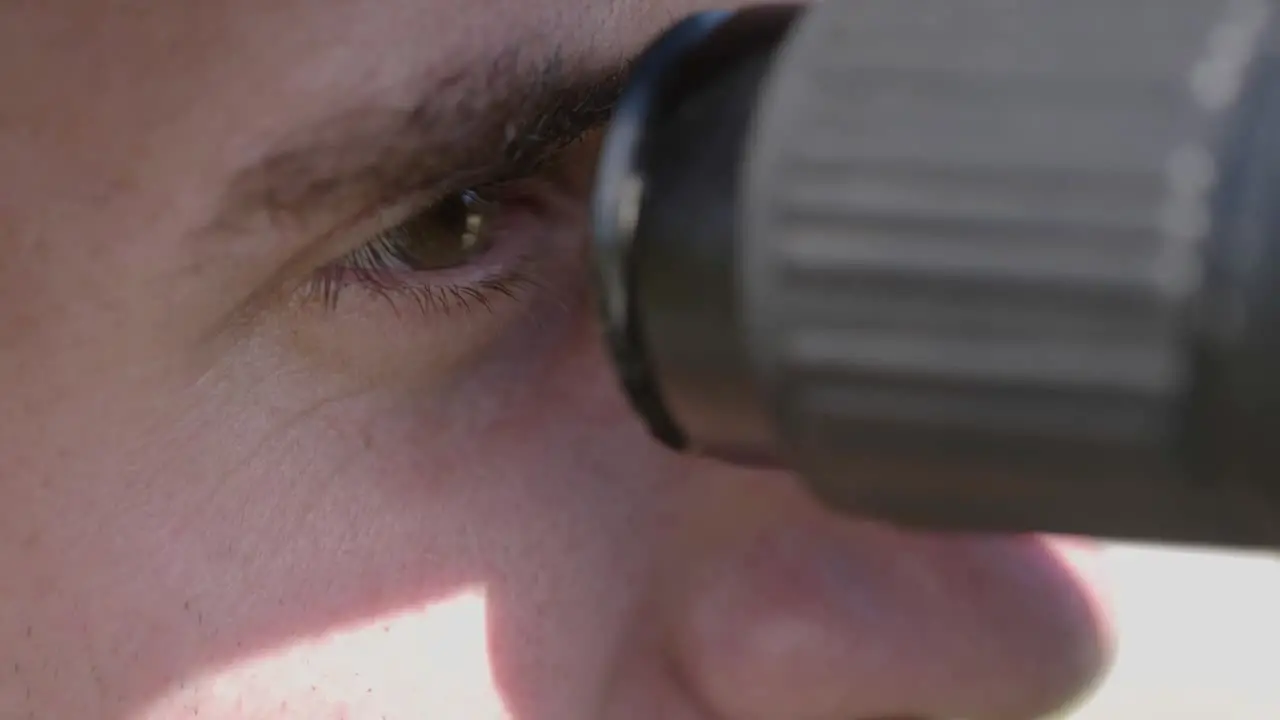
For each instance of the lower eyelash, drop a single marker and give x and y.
(450, 298)
(427, 296)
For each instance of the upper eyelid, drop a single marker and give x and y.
(356, 229)
(360, 228)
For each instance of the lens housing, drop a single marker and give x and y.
(672, 157)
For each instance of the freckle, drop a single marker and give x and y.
(28, 631)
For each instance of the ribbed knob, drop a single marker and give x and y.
(975, 230)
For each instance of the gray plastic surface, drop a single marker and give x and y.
(974, 241)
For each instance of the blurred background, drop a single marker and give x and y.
(1199, 637)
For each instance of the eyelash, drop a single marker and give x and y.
(381, 266)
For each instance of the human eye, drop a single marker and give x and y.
(457, 252)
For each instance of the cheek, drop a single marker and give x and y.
(478, 544)
(363, 530)
(437, 655)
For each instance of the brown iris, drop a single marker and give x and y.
(446, 235)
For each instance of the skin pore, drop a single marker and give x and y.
(221, 498)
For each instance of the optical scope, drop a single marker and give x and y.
(966, 265)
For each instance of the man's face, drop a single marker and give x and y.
(295, 425)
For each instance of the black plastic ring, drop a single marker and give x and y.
(619, 193)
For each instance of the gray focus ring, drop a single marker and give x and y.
(980, 224)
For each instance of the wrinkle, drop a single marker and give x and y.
(289, 425)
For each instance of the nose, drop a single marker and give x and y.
(776, 608)
(785, 611)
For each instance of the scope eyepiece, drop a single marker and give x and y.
(965, 264)
(669, 174)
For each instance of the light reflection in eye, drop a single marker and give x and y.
(444, 235)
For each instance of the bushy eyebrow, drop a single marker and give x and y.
(470, 124)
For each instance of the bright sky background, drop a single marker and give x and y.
(1199, 637)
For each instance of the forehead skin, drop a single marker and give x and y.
(100, 95)
(234, 74)
(118, 84)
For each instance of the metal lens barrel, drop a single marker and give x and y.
(969, 264)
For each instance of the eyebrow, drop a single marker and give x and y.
(470, 125)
